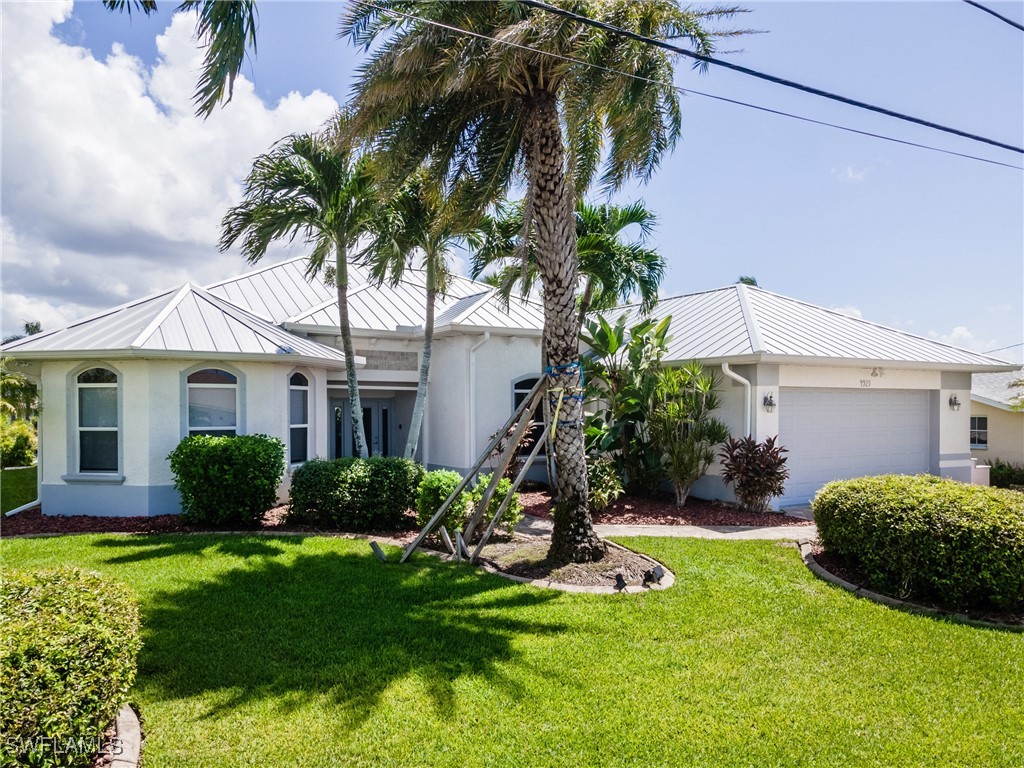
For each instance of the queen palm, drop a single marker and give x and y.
(613, 269)
(306, 185)
(420, 222)
(519, 89)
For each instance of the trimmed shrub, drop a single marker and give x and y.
(227, 481)
(435, 487)
(1004, 474)
(758, 470)
(67, 661)
(513, 512)
(604, 482)
(354, 494)
(928, 538)
(18, 443)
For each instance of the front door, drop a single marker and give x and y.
(376, 424)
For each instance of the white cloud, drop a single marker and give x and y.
(961, 336)
(849, 174)
(850, 311)
(112, 189)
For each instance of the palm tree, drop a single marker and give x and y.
(614, 270)
(307, 185)
(480, 104)
(419, 221)
(19, 396)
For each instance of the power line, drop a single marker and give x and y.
(684, 91)
(1012, 346)
(999, 16)
(762, 76)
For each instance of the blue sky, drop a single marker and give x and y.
(913, 239)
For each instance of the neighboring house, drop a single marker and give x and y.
(259, 353)
(996, 430)
(846, 397)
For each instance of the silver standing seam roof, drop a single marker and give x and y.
(742, 323)
(994, 388)
(189, 322)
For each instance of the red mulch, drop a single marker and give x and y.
(638, 510)
(33, 521)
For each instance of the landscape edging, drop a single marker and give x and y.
(806, 547)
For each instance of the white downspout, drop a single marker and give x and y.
(471, 421)
(746, 399)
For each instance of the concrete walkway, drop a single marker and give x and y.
(538, 526)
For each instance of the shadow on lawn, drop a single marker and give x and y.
(151, 547)
(339, 625)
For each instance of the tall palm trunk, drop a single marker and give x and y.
(355, 406)
(428, 341)
(573, 538)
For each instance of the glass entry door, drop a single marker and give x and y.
(376, 423)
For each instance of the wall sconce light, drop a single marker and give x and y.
(876, 372)
(954, 402)
(769, 402)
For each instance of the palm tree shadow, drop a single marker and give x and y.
(141, 548)
(343, 625)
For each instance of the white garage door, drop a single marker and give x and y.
(838, 434)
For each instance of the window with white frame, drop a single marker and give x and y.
(212, 402)
(98, 420)
(979, 431)
(298, 418)
(520, 391)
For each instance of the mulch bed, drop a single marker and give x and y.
(638, 510)
(847, 571)
(527, 557)
(33, 521)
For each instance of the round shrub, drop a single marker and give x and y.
(927, 537)
(354, 494)
(435, 487)
(513, 512)
(67, 661)
(227, 481)
(18, 443)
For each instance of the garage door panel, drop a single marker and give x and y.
(840, 434)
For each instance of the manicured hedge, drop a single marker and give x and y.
(928, 538)
(435, 487)
(354, 494)
(67, 661)
(227, 481)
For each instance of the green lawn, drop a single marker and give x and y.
(291, 651)
(17, 487)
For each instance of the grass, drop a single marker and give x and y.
(308, 652)
(17, 487)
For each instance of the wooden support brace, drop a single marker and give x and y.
(378, 552)
(447, 540)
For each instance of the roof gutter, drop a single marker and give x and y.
(746, 395)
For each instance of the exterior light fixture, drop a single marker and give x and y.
(954, 402)
(769, 402)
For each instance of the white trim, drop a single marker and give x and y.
(186, 429)
(74, 443)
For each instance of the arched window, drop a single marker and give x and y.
(521, 389)
(98, 420)
(212, 402)
(298, 418)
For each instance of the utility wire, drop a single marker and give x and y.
(761, 75)
(683, 91)
(1012, 346)
(999, 16)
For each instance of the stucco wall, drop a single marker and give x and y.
(152, 421)
(1005, 434)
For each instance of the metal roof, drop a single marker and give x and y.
(994, 388)
(189, 321)
(750, 324)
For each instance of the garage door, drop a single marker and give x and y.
(838, 434)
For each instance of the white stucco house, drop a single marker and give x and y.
(259, 353)
(997, 428)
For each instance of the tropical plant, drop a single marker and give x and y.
(622, 370)
(420, 221)
(310, 186)
(682, 426)
(604, 481)
(29, 328)
(758, 470)
(19, 395)
(614, 270)
(489, 93)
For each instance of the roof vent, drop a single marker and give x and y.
(285, 351)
